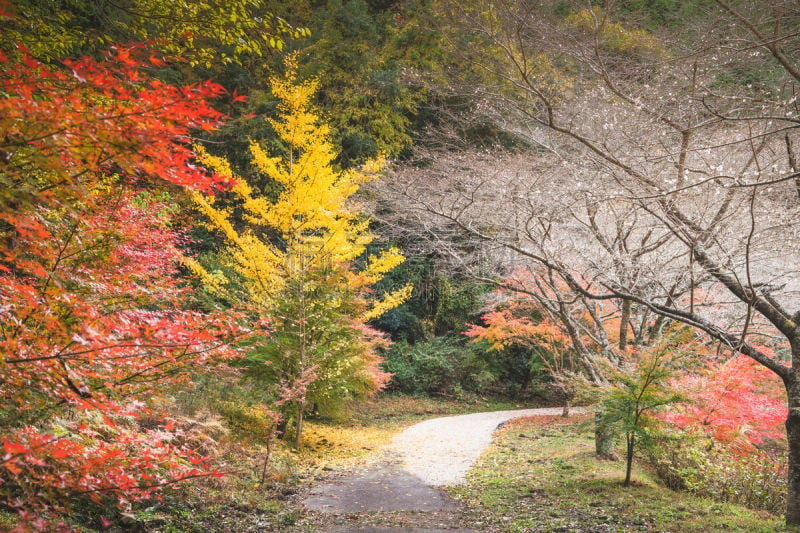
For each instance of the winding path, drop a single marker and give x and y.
(430, 454)
(440, 451)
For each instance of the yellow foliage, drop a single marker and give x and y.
(337, 446)
(389, 301)
(220, 165)
(295, 256)
(214, 282)
(318, 224)
(381, 264)
(614, 35)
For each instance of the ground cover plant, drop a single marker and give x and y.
(542, 475)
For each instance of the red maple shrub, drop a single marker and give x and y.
(736, 402)
(91, 301)
(727, 440)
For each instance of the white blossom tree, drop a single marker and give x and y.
(662, 175)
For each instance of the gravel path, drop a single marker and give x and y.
(433, 453)
(441, 451)
(400, 488)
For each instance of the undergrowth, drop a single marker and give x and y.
(542, 475)
(227, 424)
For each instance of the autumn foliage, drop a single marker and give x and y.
(735, 402)
(730, 400)
(90, 298)
(66, 123)
(296, 258)
(502, 329)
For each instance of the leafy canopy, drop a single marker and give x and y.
(294, 257)
(91, 317)
(312, 218)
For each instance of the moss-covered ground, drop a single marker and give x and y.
(541, 474)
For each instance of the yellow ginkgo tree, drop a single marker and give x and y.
(299, 259)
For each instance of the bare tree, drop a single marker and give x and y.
(662, 176)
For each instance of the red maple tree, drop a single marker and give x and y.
(736, 402)
(91, 317)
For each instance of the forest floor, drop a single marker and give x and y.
(540, 474)
(405, 476)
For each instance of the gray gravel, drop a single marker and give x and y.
(405, 476)
(441, 451)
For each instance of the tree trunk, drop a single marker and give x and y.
(629, 440)
(301, 407)
(793, 438)
(792, 162)
(603, 437)
(657, 329)
(526, 381)
(625, 316)
(270, 436)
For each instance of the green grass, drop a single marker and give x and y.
(542, 475)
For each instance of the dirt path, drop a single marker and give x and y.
(397, 492)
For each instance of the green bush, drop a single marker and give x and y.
(756, 479)
(439, 306)
(442, 365)
(451, 365)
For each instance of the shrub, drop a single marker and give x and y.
(727, 440)
(442, 365)
(685, 461)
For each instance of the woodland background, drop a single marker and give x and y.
(225, 220)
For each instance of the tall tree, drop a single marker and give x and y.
(90, 303)
(209, 33)
(296, 255)
(697, 136)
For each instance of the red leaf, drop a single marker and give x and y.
(11, 467)
(14, 448)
